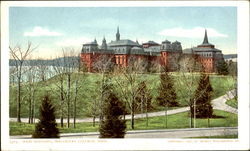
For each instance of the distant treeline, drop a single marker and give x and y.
(230, 56)
(66, 61)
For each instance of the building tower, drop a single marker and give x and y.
(104, 44)
(117, 34)
(208, 55)
(205, 43)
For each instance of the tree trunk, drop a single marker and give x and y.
(208, 121)
(30, 101)
(132, 114)
(194, 114)
(124, 113)
(142, 107)
(94, 121)
(75, 103)
(101, 100)
(19, 100)
(30, 107)
(61, 103)
(146, 112)
(33, 106)
(166, 116)
(34, 110)
(191, 117)
(68, 101)
(132, 120)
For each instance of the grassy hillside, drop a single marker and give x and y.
(89, 91)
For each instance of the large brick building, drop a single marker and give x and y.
(166, 53)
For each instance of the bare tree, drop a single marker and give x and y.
(59, 69)
(187, 81)
(94, 106)
(71, 65)
(64, 67)
(143, 99)
(155, 66)
(12, 72)
(126, 79)
(232, 81)
(43, 69)
(31, 87)
(103, 65)
(20, 55)
(80, 70)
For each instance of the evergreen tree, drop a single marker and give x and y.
(47, 126)
(112, 126)
(167, 95)
(202, 98)
(222, 68)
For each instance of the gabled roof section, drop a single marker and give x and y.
(205, 49)
(124, 42)
(166, 41)
(151, 42)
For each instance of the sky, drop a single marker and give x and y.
(54, 28)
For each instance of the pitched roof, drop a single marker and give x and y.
(91, 43)
(123, 42)
(153, 49)
(166, 41)
(136, 48)
(151, 42)
(200, 49)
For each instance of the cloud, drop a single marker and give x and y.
(197, 32)
(73, 42)
(40, 31)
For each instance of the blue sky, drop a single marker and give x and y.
(53, 28)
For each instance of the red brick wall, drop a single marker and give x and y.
(122, 60)
(207, 63)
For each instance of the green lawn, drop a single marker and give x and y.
(180, 120)
(89, 91)
(233, 103)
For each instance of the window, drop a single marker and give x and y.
(116, 58)
(120, 59)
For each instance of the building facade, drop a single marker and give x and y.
(166, 53)
(207, 55)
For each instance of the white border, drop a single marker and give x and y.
(132, 144)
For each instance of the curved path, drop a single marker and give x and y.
(218, 103)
